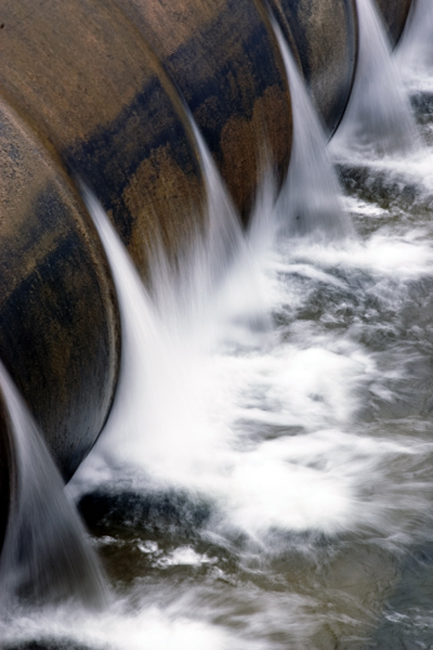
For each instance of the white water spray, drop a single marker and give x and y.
(310, 198)
(313, 442)
(168, 341)
(378, 117)
(45, 555)
(415, 51)
(227, 260)
(179, 402)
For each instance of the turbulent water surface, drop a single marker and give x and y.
(265, 479)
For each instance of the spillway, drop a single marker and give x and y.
(239, 399)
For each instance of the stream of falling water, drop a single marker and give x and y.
(378, 115)
(45, 556)
(264, 481)
(315, 213)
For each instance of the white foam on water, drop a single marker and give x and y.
(363, 208)
(194, 416)
(401, 169)
(405, 256)
(235, 390)
(184, 556)
(121, 628)
(135, 623)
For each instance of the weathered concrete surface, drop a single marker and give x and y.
(323, 34)
(83, 74)
(223, 56)
(395, 13)
(59, 323)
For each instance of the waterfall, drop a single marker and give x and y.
(146, 360)
(224, 261)
(378, 117)
(45, 556)
(171, 330)
(310, 198)
(414, 51)
(264, 478)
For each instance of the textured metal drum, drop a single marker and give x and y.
(84, 75)
(395, 13)
(59, 325)
(81, 93)
(323, 35)
(89, 98)
(223, 56)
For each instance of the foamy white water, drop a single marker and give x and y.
(218, 437)
(264, 481)
(272, 438)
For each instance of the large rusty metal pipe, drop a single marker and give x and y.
(99, 90)
(80, 92)
(83, 74)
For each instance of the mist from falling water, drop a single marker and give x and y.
(194, 363)
(169, 328)
(282, 433)
(414, 51)
(378, 118)
(221, 263)
(45, 556)
(170, 331)
(309, 201)
(185, 339)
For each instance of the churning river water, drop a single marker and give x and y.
(265, 479)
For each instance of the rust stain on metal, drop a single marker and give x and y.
(224, 58)
(323, 36)
(103, 101)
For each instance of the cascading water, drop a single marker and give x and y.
(309, 202)
(45, 556)
(224, 247)
(271, 490)
(171, 333)
(378, 116)
(414, 51)
(414, 56)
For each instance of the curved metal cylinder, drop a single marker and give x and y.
(98, 104)
(224, 58)
(323, 35)
(85, 76)
(395, 13)
(59, 324)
